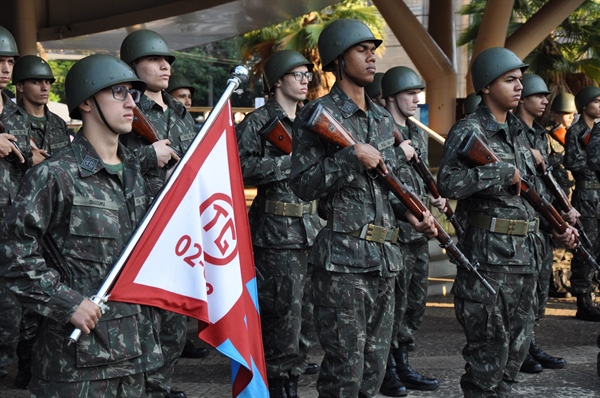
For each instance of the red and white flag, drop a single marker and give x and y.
(195, 257)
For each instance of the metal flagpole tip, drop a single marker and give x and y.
(240, 73)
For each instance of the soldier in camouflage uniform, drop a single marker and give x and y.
(498, 328)
(149, 56)
(353, 282)
(181, 89)
(82, 206)
(32, 78)
(532, 105)
(283, 226)
(17, 128)
(400, 89)
(585, 198)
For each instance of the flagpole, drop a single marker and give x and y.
(239, 75)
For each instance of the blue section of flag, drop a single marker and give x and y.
(257, 387)
(227, 348)
(253, 291)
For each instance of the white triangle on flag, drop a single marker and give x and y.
(198, 246)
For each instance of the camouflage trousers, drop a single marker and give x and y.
(171, 334)
(354, 316)
(411, 292)
(545, 259)
(498, 329)
(308, 334)
(281, 277)
(582, 275)
(17, 325)
(131, 386)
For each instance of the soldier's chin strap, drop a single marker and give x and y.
(342, 66)
(102, 116)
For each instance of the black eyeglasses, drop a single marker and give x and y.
(299, 75)
(120, 93)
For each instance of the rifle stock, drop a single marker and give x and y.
(274, 132)
(558, 133)
(321, 123)
(477, 152)
(585, 138)
(425, 174)
(145, 129)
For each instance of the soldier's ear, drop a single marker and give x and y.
(86, 106)
(485, 90)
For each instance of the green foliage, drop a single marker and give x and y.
(59, 69)
(573, 47)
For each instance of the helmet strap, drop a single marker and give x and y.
(102, 115)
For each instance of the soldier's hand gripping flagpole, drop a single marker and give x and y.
(239, 75)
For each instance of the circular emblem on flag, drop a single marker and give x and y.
(217, 218)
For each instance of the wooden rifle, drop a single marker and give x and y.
(558, 133)
(585, 138)
(274, 131)
(474, 150)
(563, 201)
(321, 123)
(417, 164)
(145, 129)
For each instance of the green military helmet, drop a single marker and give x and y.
(585, 96)
(470, 103)
(339, 36)
(374, 89)
(492, 63)
(179, 81)
(143, 43)
(94, 73)
(8, 46)
(282, 62)
(564, 102)
(32, 67)
(398, 79)
(533, 84)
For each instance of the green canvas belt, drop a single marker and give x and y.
(373, 233)
(504, 226)
(587, 185)
(290, 209)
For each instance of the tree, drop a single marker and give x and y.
(568, 58)
(302, 34)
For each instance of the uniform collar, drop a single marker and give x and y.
(348, 107)
(88, 160)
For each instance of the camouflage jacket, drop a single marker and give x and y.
(586, 201)
(537, 139)
(485, 190)
(17, 123)
(82, 215)
(179, 129)
(408, 175)
(52, 135)
(268, 168)
(348, 196)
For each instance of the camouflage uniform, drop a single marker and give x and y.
(177, 125)
(51, 135)
(498, 328)
(353, 282)
(17, 123)
(281, 242)
(411, 284)
(74, 203)
(537, 139)
(586, 199)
